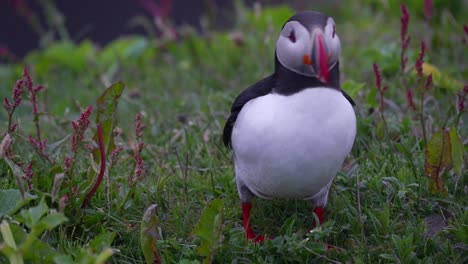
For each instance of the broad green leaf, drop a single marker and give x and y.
(438, 158)
(7, 236)
(42, 253)
(19, 175)
(10, 201)
(149, 235)
(209, 228)
(33, 215)
(457, 150)
(51, 221)
(106, 109)
(9, 247)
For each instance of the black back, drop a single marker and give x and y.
(260, 88)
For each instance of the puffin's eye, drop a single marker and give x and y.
(292, 36)
(333, 35)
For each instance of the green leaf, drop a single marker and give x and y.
(123, 50)
(104, 256)
(438, 158)
(106, 109)
(9, 247)
(457, 151)
(10, 201)
(209, 228)
(32, 216)
(7, 236)
(61, 55)
(42, 253)
(51, 221)
(102, 241)
(352, 88)
(371, 98)
(64, 259)
(380, 129)
(149, 235)
(19, 175)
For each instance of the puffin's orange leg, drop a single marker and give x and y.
(320, 212)
(249, 233)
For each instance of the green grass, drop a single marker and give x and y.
(379, 203)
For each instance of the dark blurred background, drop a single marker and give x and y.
(102, 20)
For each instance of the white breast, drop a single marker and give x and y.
(292, 146)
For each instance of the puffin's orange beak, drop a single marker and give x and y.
(318, 59)
(322, 60)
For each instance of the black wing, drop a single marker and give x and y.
(348, 98)
(260, 88)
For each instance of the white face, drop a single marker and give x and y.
(299, 50)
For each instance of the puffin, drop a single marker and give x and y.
(291, 131)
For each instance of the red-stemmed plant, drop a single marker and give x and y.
(139, 165)
(102, 169)
(79, 128)
(139, 169)
(425, 86)
(10, 107)
(378, 85)
(33, 90)
(405, 40)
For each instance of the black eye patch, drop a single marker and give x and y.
(292, 36)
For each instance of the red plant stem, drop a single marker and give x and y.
(101, 171)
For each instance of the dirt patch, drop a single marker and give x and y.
(434, 224)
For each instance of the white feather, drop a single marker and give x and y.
(292, 146)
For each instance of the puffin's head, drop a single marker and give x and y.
(309, 45)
